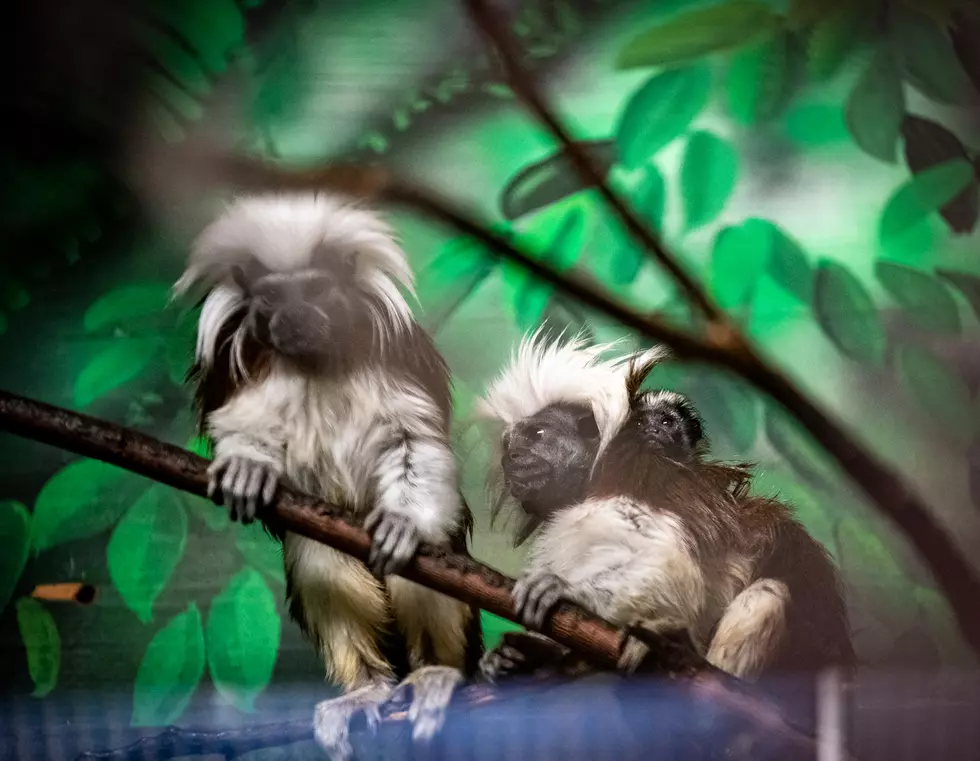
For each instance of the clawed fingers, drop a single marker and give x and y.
(394, 543)
(534, 597)
(242, 485)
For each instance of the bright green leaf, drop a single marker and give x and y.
(937, 389)
(708, 177)
(648, 200)
(80, 500)
(698, 33)
(170, 671)
(923, 194)
(260, 550)
(145, 547)
(121, 361)
(847, 314)
(799, 450)
(454, 274)
(39, 634)
(928, 59)
(494, 628)
(759, 79)
(128, 302)
(968, 285)
(923, 297)
(243, 639)
(875, 108)
(660, 111)
(213, 516)
(15, 540)
(832, 41)
(789, 265)
(739, 258)
(812, 125)
(550, 180)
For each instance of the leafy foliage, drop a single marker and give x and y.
(708, 177)
(660, 111)
(170, 671)
(798, 449)
(15, 526)
(258, 548)
(760, 78)
(832, 41)
(79, 501)
(814, 125)
(39, 634)
(928, 60)
(739, 259)
(847, 314)
(243, 639)
(145, 547)
(118, 363)
(924, 298)
(699, 32)
(459, 268)
(789, 265)
(875, 108)
(925, 193)
(129, 302)
(730, 408)
(968, 285)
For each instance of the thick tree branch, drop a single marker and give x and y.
(725, 347)
(497, 35)
(458, 576)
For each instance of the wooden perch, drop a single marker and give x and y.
(458, 576)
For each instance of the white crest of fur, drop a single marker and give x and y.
(281, 231)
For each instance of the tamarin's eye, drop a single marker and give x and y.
(586, 427)
(538, 434)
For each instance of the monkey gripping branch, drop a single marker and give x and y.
(457, 576)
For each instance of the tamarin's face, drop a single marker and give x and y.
(305, 314)
(547, 457)
(668, 423)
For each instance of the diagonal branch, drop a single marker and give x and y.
(523, 85)
(723, 346)
(458, 576)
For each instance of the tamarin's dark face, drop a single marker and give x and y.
(548, 457)
(302, 315)
(668, 423)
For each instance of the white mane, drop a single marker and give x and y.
(281, 231)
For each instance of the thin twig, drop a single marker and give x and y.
(523, 85)
(725, 347)
(458, 576)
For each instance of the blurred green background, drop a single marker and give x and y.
(811, 162)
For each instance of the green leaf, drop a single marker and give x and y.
(707, 177)
(454, 274)
(968, 285)
(129, 302)
(15, 532)
(80, 500)
(213, 516)
(170, 671)
(832, 41)
(548, 181)
(259, 549)
(648, 200)
(759, 80)
(928, 59)
(243, 639)
(730, 407)
(812, 125)
(494, 628)
(789, 265)
(799, 450)
(847, 314)
(923, 298)
(739, 258)
(181, 345)
(938, 390)
(121, 361)
(923, 194)
(660, 111)
(875, 108)
(39, 634)
(145, 547)
(699, 32)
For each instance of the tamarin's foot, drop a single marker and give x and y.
(534, 597)
(331, 718)
(243, 485)
(394, 542)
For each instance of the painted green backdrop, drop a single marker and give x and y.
(810, 162)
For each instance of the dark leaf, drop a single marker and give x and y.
(759, 79)
(789, 265)
(15, 533)
(708, 177)
(170, 671)
(847, 314)
(968, 285)
(876, 106)
(832, 41)
(924, 298)
(551, 179)
(928, 144)
(964, 31)
(699, 32)
(928, 59)
(660, 111)
(799, 450)
(923, 194)
(730, 408)
(39, 634)
(939, 390)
